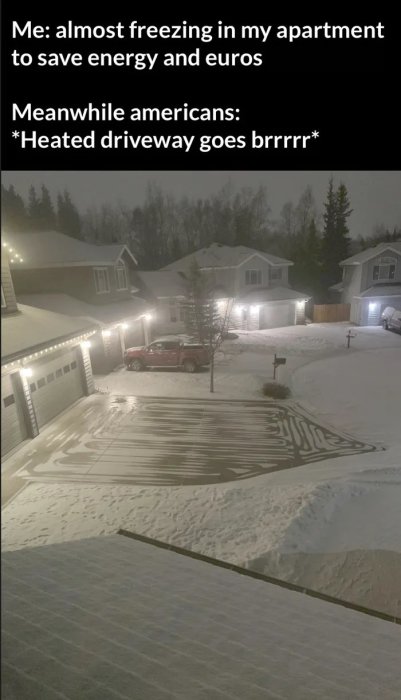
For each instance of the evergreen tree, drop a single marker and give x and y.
(68, 218)
(34, 212)
(14, 216)
(45, 211)
(335, 244)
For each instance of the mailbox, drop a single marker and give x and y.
(278, 361)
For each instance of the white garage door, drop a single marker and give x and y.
(13, 426)
(55, 385)
(277, 315)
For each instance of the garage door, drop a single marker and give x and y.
(277, 315)
(13, 426)
(55, 385)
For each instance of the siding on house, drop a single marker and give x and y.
(8, 287)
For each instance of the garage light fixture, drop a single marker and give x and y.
(372, 306)
(106, 334)
(124, 326)
(238, 308)
(26, 372)
(300, 304)
(255, 308)
(147, 317)
(86, 344)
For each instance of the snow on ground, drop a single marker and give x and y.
(334, 526)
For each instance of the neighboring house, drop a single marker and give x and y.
(64, 275)
(371, 281)
(45, 364)
(256, 281)
(165, 290)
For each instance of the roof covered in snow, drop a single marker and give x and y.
(41, 249)
(97, 313)
(273, 294)
(218, 255)
(32, 328)
(114, 617)
(382, 290)
(369, 253)
(162, 283)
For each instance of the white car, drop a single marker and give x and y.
(391, 319)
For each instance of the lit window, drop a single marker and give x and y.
(101, 280)
(253, 277)
(385, 270)
(121, 277)
(3, 299)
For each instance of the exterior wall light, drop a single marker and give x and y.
(86, 344)
(372, 305)
(147, 317)
(255, 308)
(106, 334)
(124, 326)
(26, 372)
(300, 304)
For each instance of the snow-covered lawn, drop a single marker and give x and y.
(334, 525)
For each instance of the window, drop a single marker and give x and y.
(3, 299)
(275, 273)
(32, 387)
(41, 382)
(66, 369)
(385, 270)
(101, 280)
(173, 311)
(50, 378)
(9, 400)
(121, 277)
(253, 277)
(59, 373)
(73, 365)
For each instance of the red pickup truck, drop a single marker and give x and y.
(167, 353)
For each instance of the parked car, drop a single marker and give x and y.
(167, 353)
(391, 319)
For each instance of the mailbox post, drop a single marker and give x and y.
(277, 362)
(348, 338)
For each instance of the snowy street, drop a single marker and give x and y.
(330, 523)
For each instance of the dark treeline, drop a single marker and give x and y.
(166, 227)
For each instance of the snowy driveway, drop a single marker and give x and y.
(179, 442)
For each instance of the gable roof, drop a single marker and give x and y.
(120, 617)
(219, 255)
(102, 314)
(42, 249)
(369, 253)
(32, 328)
(162, 283)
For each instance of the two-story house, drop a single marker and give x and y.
(256, 282)
(371, 281)
(45, 363)
(80, 279)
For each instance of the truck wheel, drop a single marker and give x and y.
(189, 366)
(136, 366)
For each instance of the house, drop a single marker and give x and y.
(256, 281)
(371, 281)
(45, 363)
(65, 275)
(165, 290)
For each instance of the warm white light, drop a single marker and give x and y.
(147, 317)
(26, 372)
(86, 344)
(106, 334)
(4, 245)
(124, 326)
(300, 304)
(372, 306)
(238, 308)
(255, 308)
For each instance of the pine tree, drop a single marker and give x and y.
(45, 211)
(33, 210)
(68, 218)
(14, 216)
(335, 244)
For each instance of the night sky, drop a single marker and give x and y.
(375, 196)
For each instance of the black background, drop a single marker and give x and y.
(347, 90)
